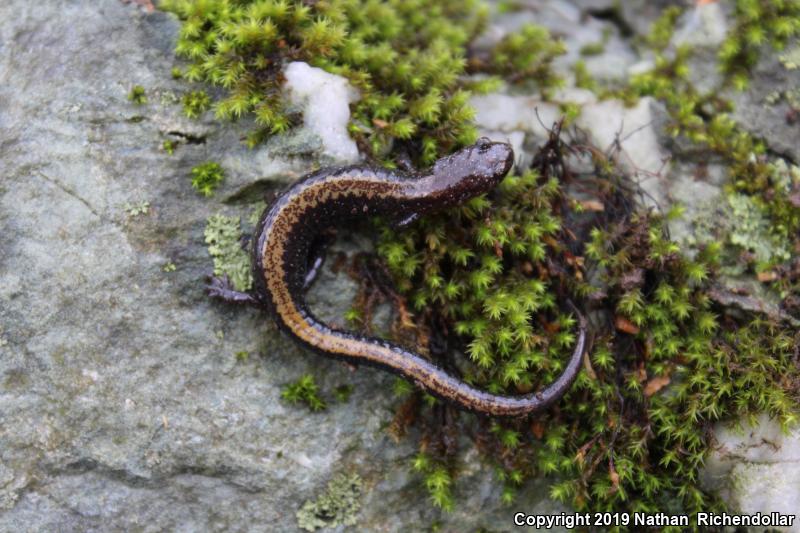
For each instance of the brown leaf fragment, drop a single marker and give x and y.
(767, 276)
(551, 327)
(626, 326)
(594, 206)
(614, 476)
(655, 385)
(146, 4)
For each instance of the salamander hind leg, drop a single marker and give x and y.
(222, 289)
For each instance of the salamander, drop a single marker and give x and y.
(329, 197)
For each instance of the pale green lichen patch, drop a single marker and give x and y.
(786, 176)
(337, 506)
(137, 208)
(256, 213)
(223, 235)
(791, 59)
(751, 230)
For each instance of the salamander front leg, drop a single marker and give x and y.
(222, 288)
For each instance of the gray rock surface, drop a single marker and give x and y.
(770, 108)
(580, 31)
(123, 406)
(756, 468)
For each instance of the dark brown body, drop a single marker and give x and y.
(332, 197)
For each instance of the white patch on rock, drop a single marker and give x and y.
(574, 95)
(325, 100)
(635, 130)
(705, 25)
(702, 201)
(502, 112)
(642, 67)
(756, 469)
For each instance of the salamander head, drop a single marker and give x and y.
(471, 171)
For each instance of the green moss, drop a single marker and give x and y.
(528, 54)
(137, 95)
(304, 390)
(195, 103)
(632, 432)
(592, 49)
(224, 237)
(583, 79)
(406, 58)
(757, 23)
(337, 506)
(662, 30)
(438, 480)
(342, 393)
(169, 146)
(206, 177)
(767, 219)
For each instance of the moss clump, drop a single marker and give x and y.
(206, 177)
(337, 506)
(592, 49)
(490, 303)
(223, 236)
(527, 54)
(169, 146)
(304, 390)
(583, 79)
(633, 431)
(438, 480)
(758, 22)
(407, 59)
(195, 103)
(137, 95)
(342, 393)
(764, 194)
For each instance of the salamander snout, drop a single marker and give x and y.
(492, 158)
(471, 171)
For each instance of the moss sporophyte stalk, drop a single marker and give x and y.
(478, 288)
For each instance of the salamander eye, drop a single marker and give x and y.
(483, 144)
